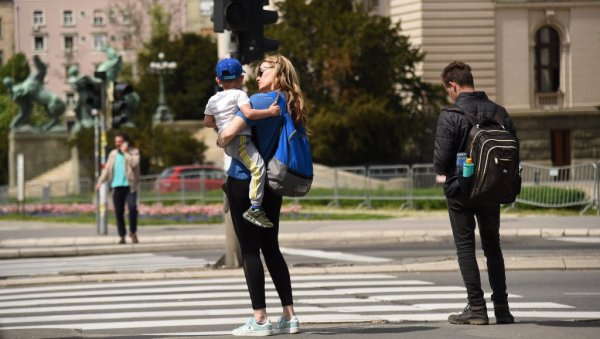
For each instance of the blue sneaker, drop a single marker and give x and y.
(287, 326)
(253, 329)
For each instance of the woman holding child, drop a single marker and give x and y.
(275, 76)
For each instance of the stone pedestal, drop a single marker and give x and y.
(42, 151)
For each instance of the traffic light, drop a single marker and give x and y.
(94, 94)
(230, 15)
(121, 108)
(252, 43)
(246, 19)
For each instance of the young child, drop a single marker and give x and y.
(220, 111)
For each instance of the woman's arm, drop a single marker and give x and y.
(228, 133)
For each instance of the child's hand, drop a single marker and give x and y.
(274, 109)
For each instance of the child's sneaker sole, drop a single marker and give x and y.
(256, 222)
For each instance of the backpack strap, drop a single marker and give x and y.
(471, 117)
(474, 119)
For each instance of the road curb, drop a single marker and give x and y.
(445, 265)
(75, 246)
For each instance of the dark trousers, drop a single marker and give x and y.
(121, 196)
(254, 239)
(463, 212)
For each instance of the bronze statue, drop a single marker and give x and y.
(32, 90)
(84, 86)
(112, 66)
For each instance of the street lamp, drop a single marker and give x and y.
(162, 67)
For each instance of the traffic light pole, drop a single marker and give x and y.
(232, 256)
(100, 144)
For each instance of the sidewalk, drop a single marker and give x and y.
(37, 239)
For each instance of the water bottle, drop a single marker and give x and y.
(468, 168)
(460, 161)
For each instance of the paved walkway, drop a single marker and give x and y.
(38, 239)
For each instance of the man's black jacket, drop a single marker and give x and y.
(453, 130)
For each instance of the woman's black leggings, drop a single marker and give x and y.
(254, 239)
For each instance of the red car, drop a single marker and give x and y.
(190, 178)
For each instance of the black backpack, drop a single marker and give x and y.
(495, 152)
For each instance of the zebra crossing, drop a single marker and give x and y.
(137, 262)
(144, 262)
(215, 306)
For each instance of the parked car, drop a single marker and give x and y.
(189, 178)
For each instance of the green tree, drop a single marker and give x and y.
(192, 83)
(366, 102)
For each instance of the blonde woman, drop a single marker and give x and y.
(275, 76)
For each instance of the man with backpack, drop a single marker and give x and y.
(456, 132)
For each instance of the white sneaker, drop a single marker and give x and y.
(253, 329)
(287, 326)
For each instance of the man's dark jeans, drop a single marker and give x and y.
(463, 212)
(122, 195)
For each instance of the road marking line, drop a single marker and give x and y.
(332, 255)
(141, 315)
(211, 288)
(398, 297)
(195, 282)
(400, 289)
(587, 240)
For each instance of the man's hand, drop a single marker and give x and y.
(98, 186)
(124, 147)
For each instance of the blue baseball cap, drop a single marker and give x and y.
(229, 69)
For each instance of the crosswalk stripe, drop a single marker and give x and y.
(141, 315)
(433, 296)
(333, 255)
(169, 282)
(432, 307)
(212, 288)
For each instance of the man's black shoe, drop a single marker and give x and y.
(503, 315)
(471, 315)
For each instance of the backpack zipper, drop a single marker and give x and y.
(488, 155)
(483, 146)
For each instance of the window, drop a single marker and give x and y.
(38, 18)
(547, 60)
(69, 43)
(1, 57)
(98, 18)
(127, 18)
(39, 43)
(99, 41)
(206, 8)
(68, 18)
(1, 30)
(127, 41)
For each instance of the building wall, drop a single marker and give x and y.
(497, 38)
(451, 30)
(7, 32)
(198, 14)
(124, 37)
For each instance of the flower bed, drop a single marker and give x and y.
(188, 213)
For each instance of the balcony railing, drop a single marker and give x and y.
(549, 100)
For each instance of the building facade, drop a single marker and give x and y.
(7, 32)
(540, 59)
(74, 32)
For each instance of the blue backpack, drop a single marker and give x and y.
(290, 170)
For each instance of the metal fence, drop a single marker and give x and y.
(363, 186)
